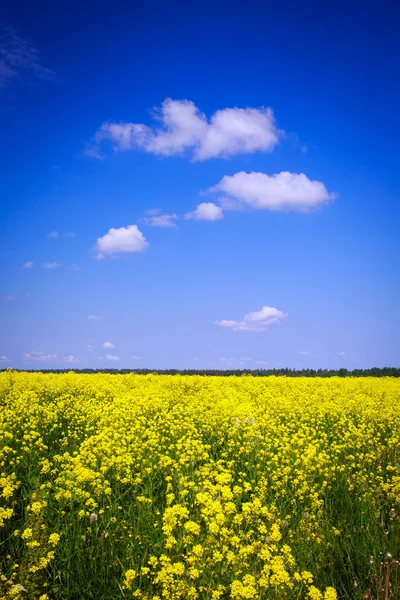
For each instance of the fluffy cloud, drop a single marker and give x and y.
(28, 265)
(255, 321)
(162, 220)
(95, 318)
(283, 191)
(206, 211)
(52, 265)
(112, 357)
(108, 345)
(123, 240)
(39, 357)
(228, 132)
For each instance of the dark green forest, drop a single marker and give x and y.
(374, 372)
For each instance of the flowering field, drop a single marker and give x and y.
(175, 487)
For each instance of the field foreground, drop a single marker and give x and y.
(173, 487)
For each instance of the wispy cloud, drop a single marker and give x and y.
(95, 318)
(56, 234)
(39, 357)
(19, 60)
(71, 359)
(111, 357)
(304, 353)
(28, 265)
(4, 359)
(183, 127)
(52, 265)
(121, 241)
(157, 220)
(255, 321)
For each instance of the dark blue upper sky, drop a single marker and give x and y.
(322, 256)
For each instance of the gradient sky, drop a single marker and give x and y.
(322, 257)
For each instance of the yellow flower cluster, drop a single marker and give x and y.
(178, 487)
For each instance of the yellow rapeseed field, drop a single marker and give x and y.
(185, 487)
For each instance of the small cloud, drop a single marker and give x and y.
(304, 353)
(120, 241)
(53, 234)
(255, 321)
(52, 265)
(73, 267)
(95, 318)
(39, 357)
(4, 359)
(28, 265)
(136, 358)
(112, 357)
(69, 234)
(90, 348)
(206, 211)
(261, 362)
(340, 354)
(162, 220)
(12, 298)
(71, 359)
(108, 345)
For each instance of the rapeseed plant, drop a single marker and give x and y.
(178, 487)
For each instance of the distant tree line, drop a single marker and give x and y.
(374, 372)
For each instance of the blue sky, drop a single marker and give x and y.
(269, 131)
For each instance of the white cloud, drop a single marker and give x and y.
(162, 220)
(122, 240)
(4, 359)
(112, 357)
(39, 356)
(255, 321)
(52, 265)
(28, 265)
(206, 211)
(108, 345)
(69, 234)
(304, 353)
(71, 359)
(282, 191)
(90, 348)
(12, 298)
(95, 318)
(53, 234)
(340, 354)
(136, 358)
(228, 132)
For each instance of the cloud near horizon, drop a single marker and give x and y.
(282, 191)
(39, 356)
(255, 321)
(183, 127)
